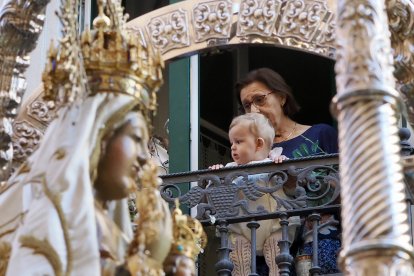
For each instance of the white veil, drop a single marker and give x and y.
(58, 232)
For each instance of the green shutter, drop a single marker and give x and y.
(179, 118)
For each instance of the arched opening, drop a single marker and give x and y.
(311, 77)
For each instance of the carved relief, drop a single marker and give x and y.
(212, 20)
(401, 24)
(302, 24)
(25, 141)
(369, 64)
(42, 111)
(258, 17)
(326, 33)
(302, 19)
(169, 31)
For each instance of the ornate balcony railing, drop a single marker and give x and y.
(306, 188)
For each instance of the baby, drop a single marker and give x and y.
(251, 136)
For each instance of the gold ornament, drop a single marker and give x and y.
(189, 238)
(113, 60)
(142, 257)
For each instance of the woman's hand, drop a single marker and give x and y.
(216, 167)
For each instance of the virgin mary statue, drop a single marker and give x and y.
(64, 211)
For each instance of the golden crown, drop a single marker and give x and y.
(189, 238)
(113, 60)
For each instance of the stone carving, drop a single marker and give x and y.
(306, 25)
(401, 23)
(42, 111)
(326, 33)
(25, 140)
(258, 17)
(302, 19)
(212, 20)
(169, 31)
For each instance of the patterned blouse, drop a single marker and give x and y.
(317, 140)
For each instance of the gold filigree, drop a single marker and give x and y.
(7, 232)
(110, 58)
(64, 77)
(5, 252)
(56, 202)
(60, 153)
(44, 248)
(147, 200)
(189, 238)
(18, 217)
(24, 168)
(147, 197)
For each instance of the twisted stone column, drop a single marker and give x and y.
(374, 213)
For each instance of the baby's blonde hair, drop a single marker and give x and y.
(258, 125)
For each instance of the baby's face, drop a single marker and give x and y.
(243, 144)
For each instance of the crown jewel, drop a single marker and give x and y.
(189, 238)
(112, 58)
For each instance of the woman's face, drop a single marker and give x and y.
(272, 103)
(125, 153)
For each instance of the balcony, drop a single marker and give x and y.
(222, 199)
(306, 210)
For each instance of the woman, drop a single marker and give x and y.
(266, 92)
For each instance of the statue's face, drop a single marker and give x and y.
(125, 153)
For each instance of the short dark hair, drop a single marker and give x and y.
(275, 83)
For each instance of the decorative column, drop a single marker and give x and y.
(21, 22)
(375, 234)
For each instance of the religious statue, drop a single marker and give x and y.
(64, 211)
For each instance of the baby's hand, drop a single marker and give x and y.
(279, 159)
(276, 155)
(216, 167)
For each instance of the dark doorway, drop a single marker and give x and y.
(311, 77)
